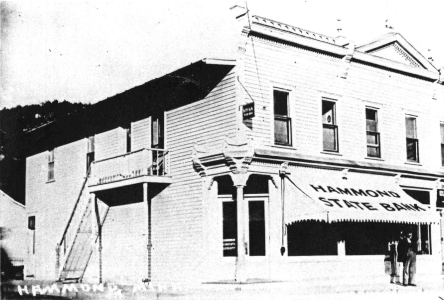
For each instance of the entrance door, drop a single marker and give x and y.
(30, 266)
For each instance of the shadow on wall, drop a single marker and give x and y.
(8, 270)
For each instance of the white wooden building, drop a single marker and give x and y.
(300, 158)
(13, 229)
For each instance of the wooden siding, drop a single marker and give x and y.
(309, 76)
(13, 218)
(141, 134)
(110, 143)
(52, 202)
(177, 212)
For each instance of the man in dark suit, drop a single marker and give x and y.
(407, 255)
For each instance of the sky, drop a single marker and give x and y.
(86, 51)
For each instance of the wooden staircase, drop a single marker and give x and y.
(81, 234)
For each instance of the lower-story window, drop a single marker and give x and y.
(360, 238)
(229, 234)
(312, 238)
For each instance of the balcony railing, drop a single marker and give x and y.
(152, 162)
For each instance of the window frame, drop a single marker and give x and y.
(334, 125)
(441, 132)
(51, 166)
(414, 139)
(286, 118)
(260, 197)
(222, 198)
(377, 132)
(90, 152)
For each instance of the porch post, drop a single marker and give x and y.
(239, 181)
(97, 226)
(147, 204)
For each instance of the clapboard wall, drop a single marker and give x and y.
(51, 202)
(311, 75)
(177, 212)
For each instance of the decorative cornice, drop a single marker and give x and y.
(238, 153)
(271, 32)
(197, 164)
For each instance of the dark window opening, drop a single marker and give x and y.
(31, 226)
(51, 175)
(330, 128)
(89, 160)
(31, 222)
(128, 140)
(229, 228)
(442, 143)
(368, 238)
(227, 194)
(256, 211)
(412, 144)
(90, 153)
(312, 238)
(425, 246)
(373, 136)
(157, 135)
(282, 120)
(421, 196)
(256, 184)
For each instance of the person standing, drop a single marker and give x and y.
(407, 254)
(394, 260)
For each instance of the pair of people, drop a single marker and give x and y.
(404, 252)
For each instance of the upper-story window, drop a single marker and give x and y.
(51, 165)
(442, 143)
(282, 120)
(411, 139)
(330, 127)
(157, 133)
(373, 137)
(90, 153)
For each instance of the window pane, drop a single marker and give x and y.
(442, 133)
(51, 171)
(410, 126)
(442, 154)
(372, 138)
(373, 151)
(370, 114)
(229, 228)
(372, 126)
(412, 150)
(312, 238)
(330, 138)
(282, 131)
(257, 228)
(328, 112)
(89, 160)
(280, 103)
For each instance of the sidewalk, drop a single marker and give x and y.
(333, 289)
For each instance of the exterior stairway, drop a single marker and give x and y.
(80, 236)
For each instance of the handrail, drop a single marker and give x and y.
(75, 207)
(128, 153)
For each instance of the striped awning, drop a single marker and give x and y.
(324, 195)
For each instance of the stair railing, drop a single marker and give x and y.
(63, 248)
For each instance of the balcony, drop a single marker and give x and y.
(144, 165)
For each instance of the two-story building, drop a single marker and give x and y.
(301, 158)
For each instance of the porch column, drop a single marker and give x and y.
(97, 229)
(239, 181)
(147, 204)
